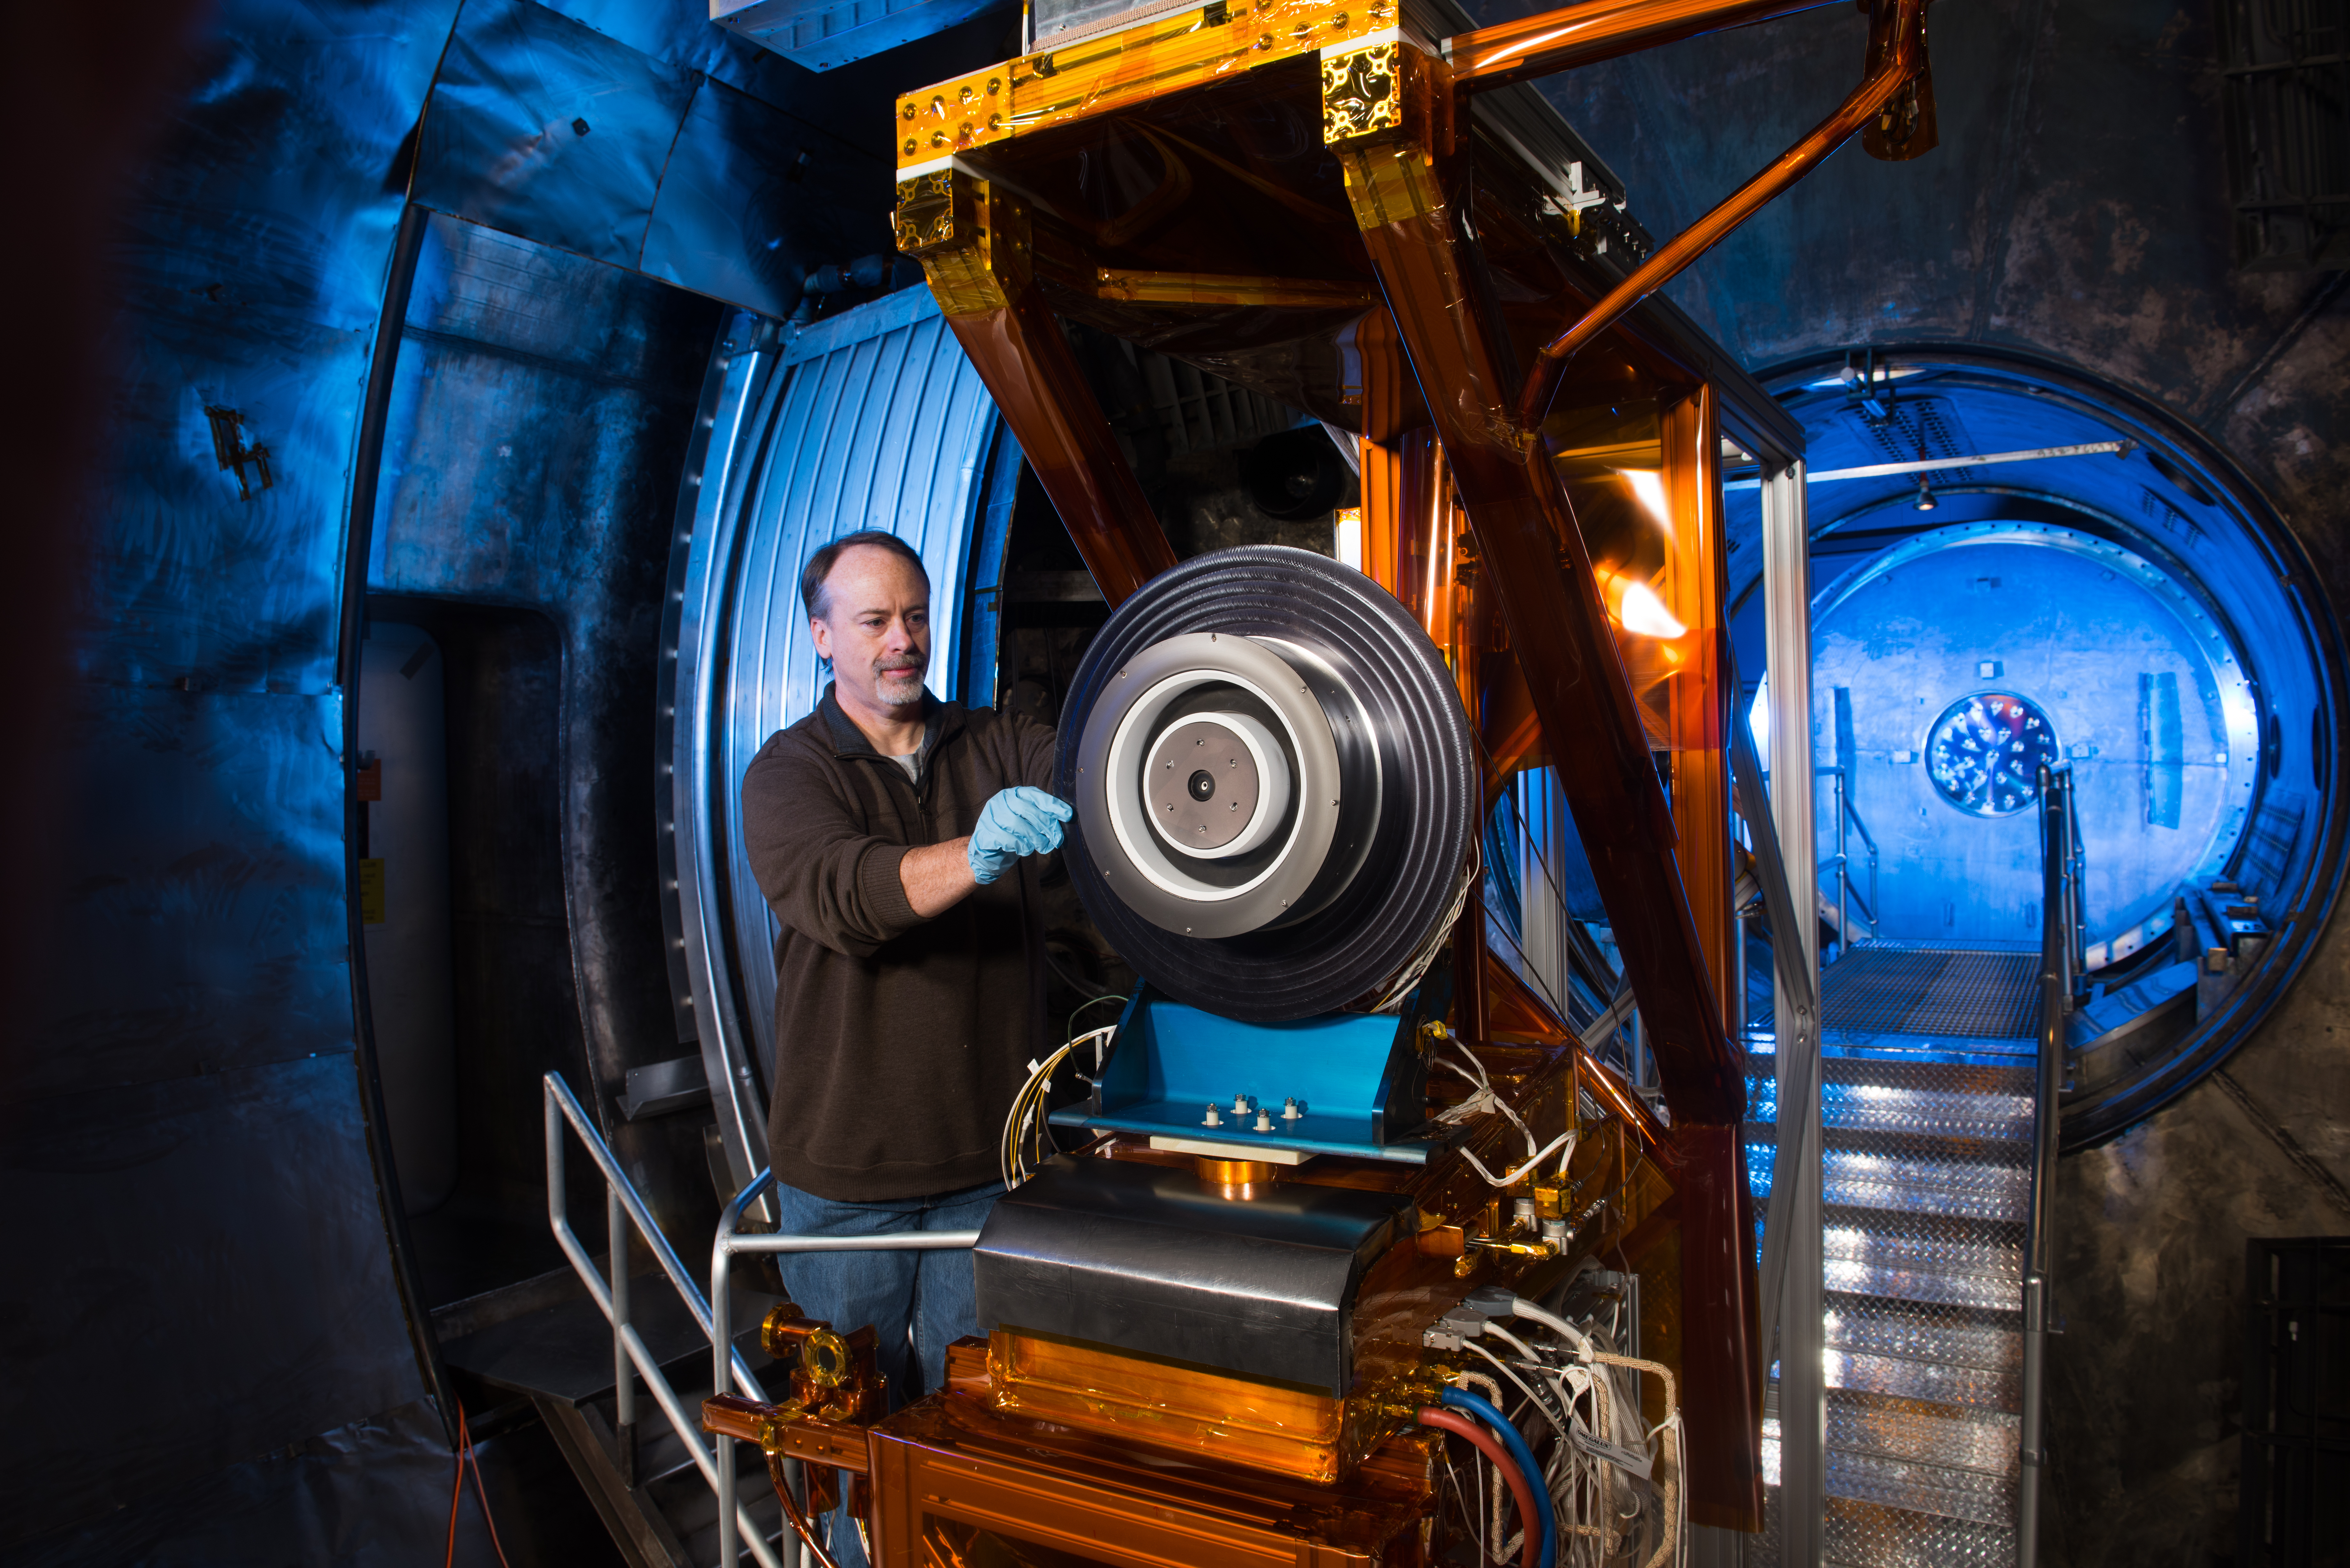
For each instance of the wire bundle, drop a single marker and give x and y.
(1485, 1098)
(1025, 1132)
(1579, 1503)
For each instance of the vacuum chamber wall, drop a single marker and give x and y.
(2141, 617)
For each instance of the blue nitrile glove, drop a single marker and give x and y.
(1018, 821)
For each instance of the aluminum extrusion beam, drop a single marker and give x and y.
(1931, 464)
(1795, 1190)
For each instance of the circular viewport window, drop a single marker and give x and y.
(1986, 751)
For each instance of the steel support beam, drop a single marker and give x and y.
(974, 246)
(1387, 118)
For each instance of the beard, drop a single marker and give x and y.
(897, 684)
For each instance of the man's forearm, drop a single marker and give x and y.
(937, 876)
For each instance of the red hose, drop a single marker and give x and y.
(1460, 1425)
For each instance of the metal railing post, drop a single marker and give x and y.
(1738, 999)
(1844, 871)
(2058, 887)
(1791, 1272)
(722, 1370)
(728, 1241)
(562, 1106)
(624, 1376)
(1867, 838)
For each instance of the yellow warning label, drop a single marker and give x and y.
(371, 892)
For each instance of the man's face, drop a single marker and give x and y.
(876, 625)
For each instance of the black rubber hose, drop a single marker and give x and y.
(1363, 932)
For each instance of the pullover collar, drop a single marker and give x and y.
(940, 719)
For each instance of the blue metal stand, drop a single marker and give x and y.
(1359, 1079)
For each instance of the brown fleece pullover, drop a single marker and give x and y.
(899, 1042)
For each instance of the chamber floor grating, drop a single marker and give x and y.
(1930, 991)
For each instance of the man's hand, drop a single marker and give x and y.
(1018, 821)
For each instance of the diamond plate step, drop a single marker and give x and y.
(1924, 1258)
(1924, 1352)
(1870, 1535)
(1921, 1099)
(1956, 1463)
(1887, 989)
(1876, 1179)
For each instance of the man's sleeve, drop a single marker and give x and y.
(824, 876)
(1033, 748)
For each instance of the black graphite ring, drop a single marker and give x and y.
(1395, 862)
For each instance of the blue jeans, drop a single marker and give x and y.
(917, 1303)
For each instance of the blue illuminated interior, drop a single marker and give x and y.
(2133, 601)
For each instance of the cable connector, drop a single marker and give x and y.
(1492, 1301)
(1449, 1332)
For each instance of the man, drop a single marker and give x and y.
(895, 836)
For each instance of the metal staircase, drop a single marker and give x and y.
(1925, 1168)
(618, 1370)
(1935, 1066)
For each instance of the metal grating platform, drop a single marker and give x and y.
(1932, 992)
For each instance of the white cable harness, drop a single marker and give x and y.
(1024, 1126)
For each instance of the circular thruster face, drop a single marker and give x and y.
(1985, 753)
(1203, 786)
(1275, 787)
(1201, 704)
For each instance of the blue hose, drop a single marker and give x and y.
(1485, 1411)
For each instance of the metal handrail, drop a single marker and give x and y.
(1848, 811)
(2061, 865)
(1867, 905)
(724, 1246)
(623, 1207)
(1796, 1059)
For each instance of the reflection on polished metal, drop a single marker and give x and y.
(1365, 819)
(1161, 840)
(1240, 1179)
(1242, 1367)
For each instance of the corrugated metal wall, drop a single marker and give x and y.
(872, 420)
